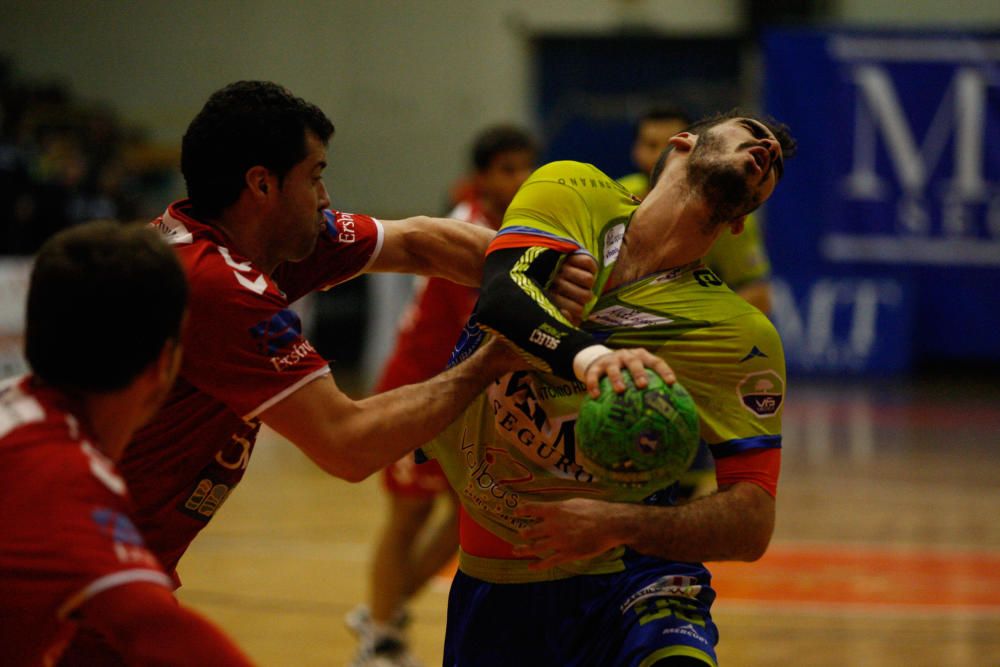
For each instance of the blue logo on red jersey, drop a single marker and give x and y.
(468, 341)
(278, 333)
(116, 525)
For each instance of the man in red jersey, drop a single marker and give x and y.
(254, 235)
(408, 551)
(105, 304)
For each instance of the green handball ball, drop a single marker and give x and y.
(638, 436)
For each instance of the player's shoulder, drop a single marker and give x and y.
(637, 183)
(43, 445)
(222, 280)
(30, 414)
(561, 171)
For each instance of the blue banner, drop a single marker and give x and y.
(885, 235)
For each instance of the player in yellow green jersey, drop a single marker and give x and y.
(559, 567)
(740, 260)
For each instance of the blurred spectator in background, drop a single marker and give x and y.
(409, 551)
(64, 161)
(652, 132)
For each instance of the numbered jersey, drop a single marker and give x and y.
(516, 441)
(244, 351)
(66, 535)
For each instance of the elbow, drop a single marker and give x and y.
(756, 548)
(757, 517)
(356, 474)
(758, 537)
(351, 471)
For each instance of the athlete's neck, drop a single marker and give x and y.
(112, 417)
(243, 230)
(667, 230)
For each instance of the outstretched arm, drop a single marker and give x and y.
(440, 247)
(455, 250)
(353, 439)
(734, 524)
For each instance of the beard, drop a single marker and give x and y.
(723, 185)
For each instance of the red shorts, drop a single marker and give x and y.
(408, 478)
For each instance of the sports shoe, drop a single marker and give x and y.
(387, 652)
(359, 620)
(380, 648)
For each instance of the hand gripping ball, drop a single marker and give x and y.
(640, 435)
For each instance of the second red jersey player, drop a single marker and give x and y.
(246, 354)
(66, 530)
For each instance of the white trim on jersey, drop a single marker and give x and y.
(109, 581)
(175, 231)
(287, 391)
(376, 252)
(18, 407)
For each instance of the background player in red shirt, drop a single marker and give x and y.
(105, 304)
(408, 551)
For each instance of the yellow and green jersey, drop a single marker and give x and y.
(516, 441)
(637, 184)
(739, 259)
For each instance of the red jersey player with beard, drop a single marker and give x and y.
(256, 232)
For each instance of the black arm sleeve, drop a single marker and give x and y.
(514, 305)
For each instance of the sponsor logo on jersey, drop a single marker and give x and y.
(492, 471)
(761, 393)
(521, 420)
(613, 243)
(688, 630)
(754, 352)
(666, 586)
(280, 338)
(543, 336)
(468, 341)
(706, 278)
(669, 275)
(206, 499)
(128, 544)
(623, 316)
(341, 226)
(549, 391)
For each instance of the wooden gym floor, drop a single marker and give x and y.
(887, 549)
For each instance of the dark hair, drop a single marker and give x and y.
(102, 300)
(246, 124)
(778, 129)
(498, 139)
(662, 113)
